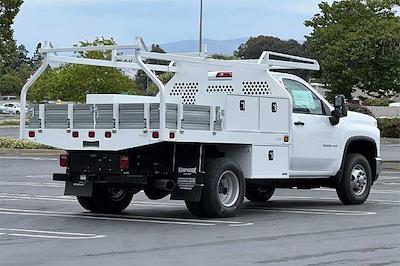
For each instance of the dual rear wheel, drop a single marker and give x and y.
(107, 200)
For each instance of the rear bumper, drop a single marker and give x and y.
(129, 180)
(378, 167)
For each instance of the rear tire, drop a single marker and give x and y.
(111, 200)
(356, 181)
(155, 194)
(223, 191)
(259, 194)
(196, 208)
(86, 203)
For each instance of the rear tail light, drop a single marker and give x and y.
(75, 134)
(124, 162)
(91, 134)
(107, 134)
(171, 135)
(32, 134)
(155, 135)
(64, 160)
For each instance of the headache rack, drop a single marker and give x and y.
(164, 111)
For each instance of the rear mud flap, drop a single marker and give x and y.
(80, 189)
(188, 175)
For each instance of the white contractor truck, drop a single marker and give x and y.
(217, 132)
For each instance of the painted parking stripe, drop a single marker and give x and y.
(373, 191)
(389, 178)
(395, 202)
(127, 218)
(31, 184)
(313, 211)
(48, 234)
(39, 176)
(10, 196)
(27, 158)
(390, 172)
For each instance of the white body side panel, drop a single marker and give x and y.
(270, 162)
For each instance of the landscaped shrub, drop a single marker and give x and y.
(12, 143)
(356, 107)
(376, 102)
(389, 127)
(9, 122)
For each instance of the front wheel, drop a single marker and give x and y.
(355, 184)
(111, 199)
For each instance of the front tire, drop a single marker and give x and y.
(355, 184)
(223, 192)
(259, 194)
(110, 199)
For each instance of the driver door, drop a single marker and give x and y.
(315, 145)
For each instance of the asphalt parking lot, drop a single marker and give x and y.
(40, 226)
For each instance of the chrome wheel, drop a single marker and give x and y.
(228, 188)
(358, 179)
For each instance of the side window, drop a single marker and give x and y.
(304, 100)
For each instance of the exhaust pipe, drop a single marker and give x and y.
(164, 184)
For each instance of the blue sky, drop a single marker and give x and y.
(65, 22)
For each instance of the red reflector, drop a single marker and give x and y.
(91, 134)
(75, 134)
(155, 135)
(124, 162)
(171, 135)
(224, 75)
(107, 134)
(32, 134)
(64, 160)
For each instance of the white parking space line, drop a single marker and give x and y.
(11, 196)
(390, 172)
(48, 234)
(39, 176)
(374, 201)
(388, 183)
(373, 191)
(388, 178)
(27, 158)
(312, 211)
(31, 184)
(126, 218)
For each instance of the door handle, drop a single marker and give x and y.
(299, 123)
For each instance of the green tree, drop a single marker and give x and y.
(357, 44)
(10, 85)
(254, 47)
(8, 50)
(142, 81)
(73, 82)
(223, 57)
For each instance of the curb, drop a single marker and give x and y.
(392, 165)
(9, 126)
(31, 152)
(390, 140)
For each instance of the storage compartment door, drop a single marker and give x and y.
(270, 162)
(274, 115)
(242, 113)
